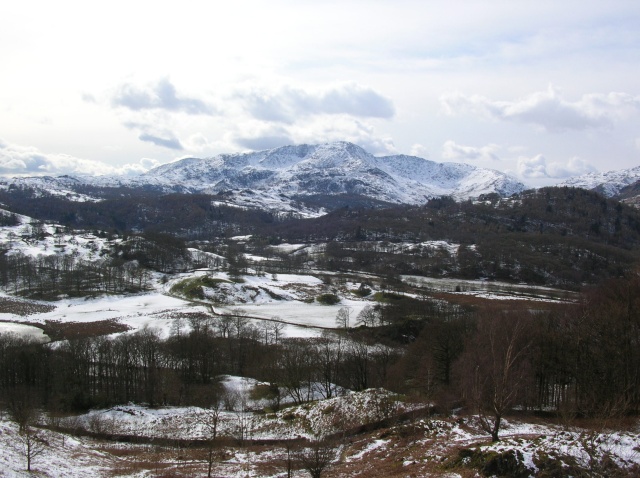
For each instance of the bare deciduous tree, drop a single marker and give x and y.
(23, 412)
(32, 444)
(495, 366)
(368, 316)
(317, 457)
(343, 318)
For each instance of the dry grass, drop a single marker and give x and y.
(472, 300)
(160, 460)
(23, 308)
(58, 330)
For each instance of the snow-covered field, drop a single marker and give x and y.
(288, 298)
(158, 311)
(23, 330)
(489, 289)
(54, 240)
(306, 315)
(285, 299)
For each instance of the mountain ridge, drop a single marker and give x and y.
(336, 168)
(609, 183)
(288, 174)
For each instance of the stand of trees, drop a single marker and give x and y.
(124, 268)
(143, 368)
(581, 360)
(50, 276)
(576, 360)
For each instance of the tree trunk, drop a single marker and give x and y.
(496, 429)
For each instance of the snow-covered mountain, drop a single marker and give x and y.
(333, 168)
(282, 175)
(609, 184)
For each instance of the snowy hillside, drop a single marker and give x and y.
(275, 178)
(333, 168)
(425, 446)
(609, 183)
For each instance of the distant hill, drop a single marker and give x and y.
(332, 169)
(552, 236)
(306, 179)
(609, 184)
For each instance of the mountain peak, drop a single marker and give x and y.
(283, 178)
(334, 168)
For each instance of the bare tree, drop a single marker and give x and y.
(317, 457)
(239, 321)
(244, 417)
(23, 413)
(327, 362)
(225, 326)
(368, 316)
(211, 420)
(265, 329)
(21, 405)
(276, 329)
(495, 366)
(358, 364)
(32, 444)
(177, 326)
(296, 369)
(343, 318)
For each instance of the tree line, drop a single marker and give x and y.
(184, 368)
(47, 277)
(552, 236)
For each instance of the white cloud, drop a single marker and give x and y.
(151, 110)
(257, 135)
(161, 95)
(419, 150)
(169, 141)
(29, 161)
(199, 143)
(288, 104)
(148, 163)
(258, 143)
(134, 169)
(150, 131)
(256, 117)
(343, 128)
(457, 152)
(548, 109)
(537, 167)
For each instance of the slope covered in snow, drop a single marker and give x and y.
(609, 183)
(333, 168)
(276, 179)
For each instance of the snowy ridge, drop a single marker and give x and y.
(334, 168)
(609, 183)
(56, 186)
(270, 179)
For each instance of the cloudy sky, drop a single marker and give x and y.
(540, 89)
